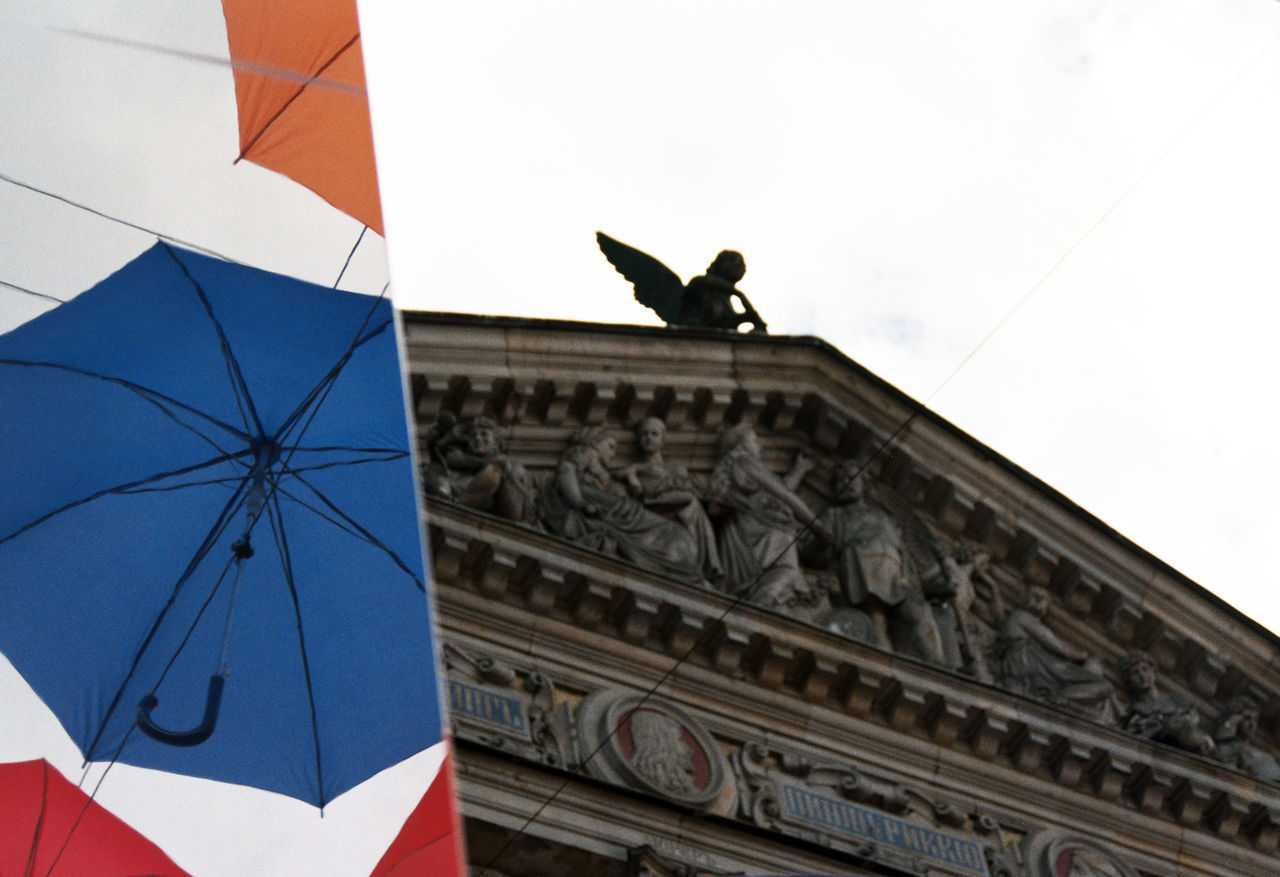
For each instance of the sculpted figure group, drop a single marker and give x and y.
(862, 567)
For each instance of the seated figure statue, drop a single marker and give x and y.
(468, 466)
(1238, 723)
(1156, 715)
(666, 488)
(584, 502)
(1032, 660)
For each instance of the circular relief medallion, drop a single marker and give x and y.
(1055, 853)
(650, 745)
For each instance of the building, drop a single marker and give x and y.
(953, 671)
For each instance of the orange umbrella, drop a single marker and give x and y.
(300, 92)
(49, 827)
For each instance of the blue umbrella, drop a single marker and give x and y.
(210, 551)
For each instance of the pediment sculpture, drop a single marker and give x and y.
(1030, 659)
(585, 501)
(1156, 714)
(858, 561)
(466, 464)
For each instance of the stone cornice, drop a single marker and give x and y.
(747, 667)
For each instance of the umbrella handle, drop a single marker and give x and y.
(196, 735)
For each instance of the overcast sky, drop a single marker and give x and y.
(898, 176)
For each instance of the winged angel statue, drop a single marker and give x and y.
(705, 301)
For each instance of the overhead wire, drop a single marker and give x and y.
(43, 295)
(85, 207)
(710, 630)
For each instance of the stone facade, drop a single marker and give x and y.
(932, 671)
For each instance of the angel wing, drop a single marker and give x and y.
(657, 286)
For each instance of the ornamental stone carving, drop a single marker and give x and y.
(1030, 659)
(586, 503)
(760, 518)
(467, 465)
(877, 577)
(1158, 715)
(1057, 853)
(665, 487)
(1236, 725)
(648, 744)
(873, 818)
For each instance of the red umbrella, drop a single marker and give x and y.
(49, 828)
(430, 843)
(300, 93)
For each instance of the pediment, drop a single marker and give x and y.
(544, 383)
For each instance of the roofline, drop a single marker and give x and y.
(827, 349)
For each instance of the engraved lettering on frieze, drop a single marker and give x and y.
(807, 806)
(491, 707)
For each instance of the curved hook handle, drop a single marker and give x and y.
(196, 735)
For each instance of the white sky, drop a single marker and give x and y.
(898, 176)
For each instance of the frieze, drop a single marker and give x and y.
(493, 704)
(874, 818)
(868, 566)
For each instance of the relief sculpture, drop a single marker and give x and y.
(1236, 727)
(665, 487)
(467, 465)
(760, 519)
(876, 574)
(586, 503)
(1158, 715)
(1032, 660)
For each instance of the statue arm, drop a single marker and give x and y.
(780, 489)
(570, 487)
(1038, 631)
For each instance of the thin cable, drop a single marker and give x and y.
(710, 630)
(6, 283)
(1104, 217)
(124, 222)
(349, 256)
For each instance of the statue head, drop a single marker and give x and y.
(1244, 714)
(482, 436)
(740, 437)
(1138, 671)
(651, 433)
(598, 439)
(728, 265)
(846, 481)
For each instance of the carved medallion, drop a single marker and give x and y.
(1057, 853)
(651, 745)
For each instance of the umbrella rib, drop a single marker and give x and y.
(238, 386)
(297, 94)
(286, 562)
(321, 390)
(215, 532)
(377, 456)
(341, 525)
(119, 488)
(351, 522)
(160, 400)
(44, 803)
